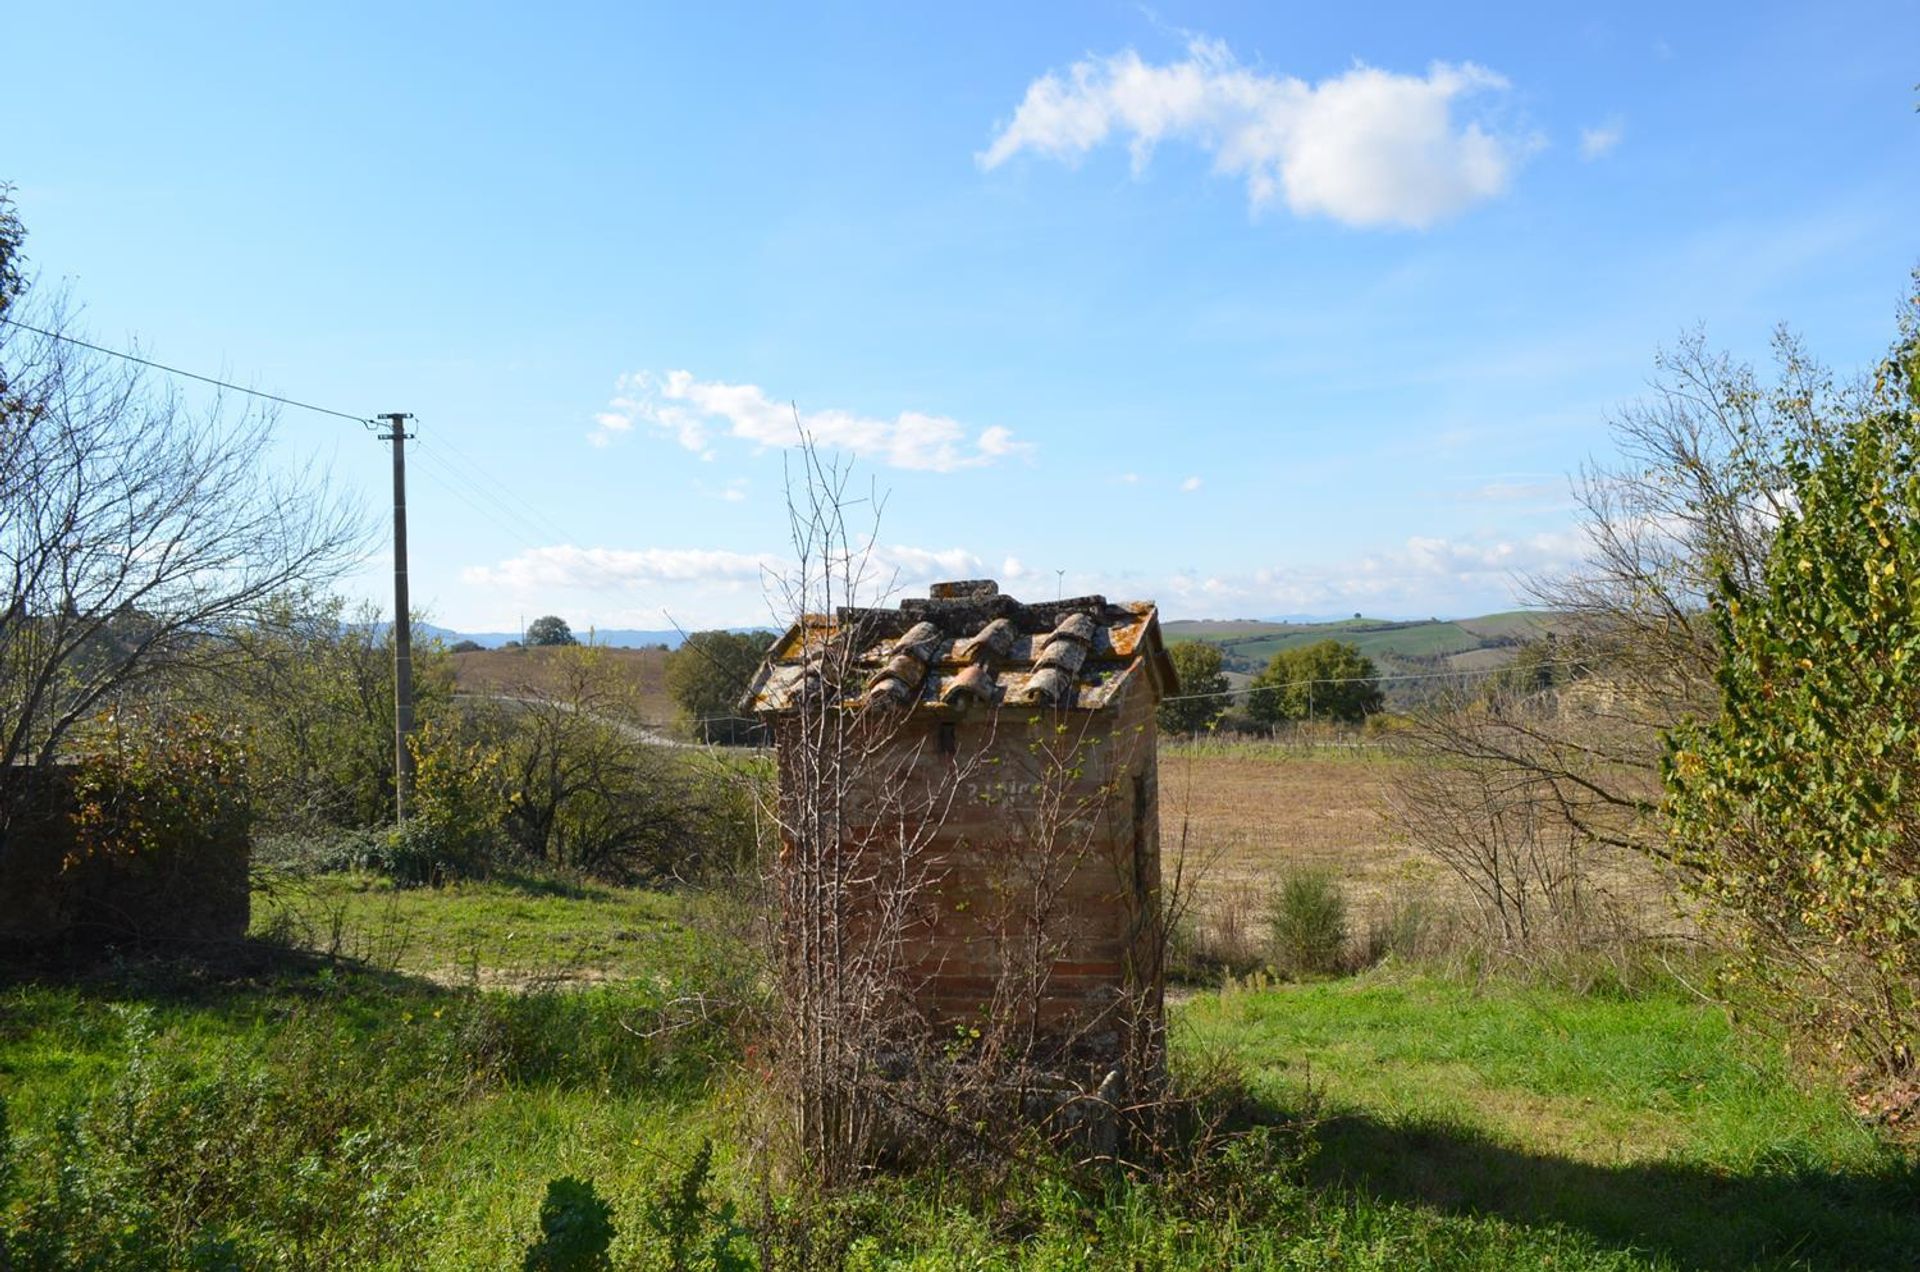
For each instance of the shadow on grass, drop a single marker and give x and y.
(1783, 1214)
(543, 885)
(229, 979)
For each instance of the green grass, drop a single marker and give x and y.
(510, 931)
(1645, 1121)
(415, 1121)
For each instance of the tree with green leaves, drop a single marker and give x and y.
(549, 629)
(1201, 697)
(1327, 680)
(312, 693)
(1795, 807)
(707, 676)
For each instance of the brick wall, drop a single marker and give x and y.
(1044, 872)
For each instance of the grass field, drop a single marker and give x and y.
(301, 1112)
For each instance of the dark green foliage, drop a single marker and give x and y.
(464, 647)
(576, 1227)
(1308, 920)
(1201, 696)
(707, 677)
(1794, 809)
(1328, 680)
(313, 695)
(550, 629)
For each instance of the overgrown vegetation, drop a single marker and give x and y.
(560, 772)
(302, 1113)
(707, 677)
(1793, 809)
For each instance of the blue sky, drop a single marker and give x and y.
(1248, 309)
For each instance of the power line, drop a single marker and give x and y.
(457, 466)
(468, 492)
(482, 479)
(191, 375)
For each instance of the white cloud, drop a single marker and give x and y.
(1424, 575)
(695, 412)
(1598, 141)
(1368, 147)
(565, 566)
(1191, 484)
(1515, 491)
(1130, 479)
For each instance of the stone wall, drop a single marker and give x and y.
(49, 894)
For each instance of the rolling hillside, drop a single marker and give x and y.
(1397, 647)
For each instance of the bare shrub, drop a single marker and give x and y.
(1405, 929)
(1524, 866)
(1524, 776)
(136, 531)
(1228, 937)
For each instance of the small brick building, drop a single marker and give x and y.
(1029, 731)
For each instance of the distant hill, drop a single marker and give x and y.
(1398, 647)
(615, 637)
(611, 637)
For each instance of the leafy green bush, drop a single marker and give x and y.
(1202, 697)
(1327, 680)
(157, 789)
(1308, 922)
(1794, 808)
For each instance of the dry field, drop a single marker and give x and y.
(1247, 814)
(512, 672)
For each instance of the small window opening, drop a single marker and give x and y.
(1139, 798)
(949, 738)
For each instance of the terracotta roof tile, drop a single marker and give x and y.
(967, 644)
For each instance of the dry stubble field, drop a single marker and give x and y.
(1246, 814)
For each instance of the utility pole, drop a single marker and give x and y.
(402, 620)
